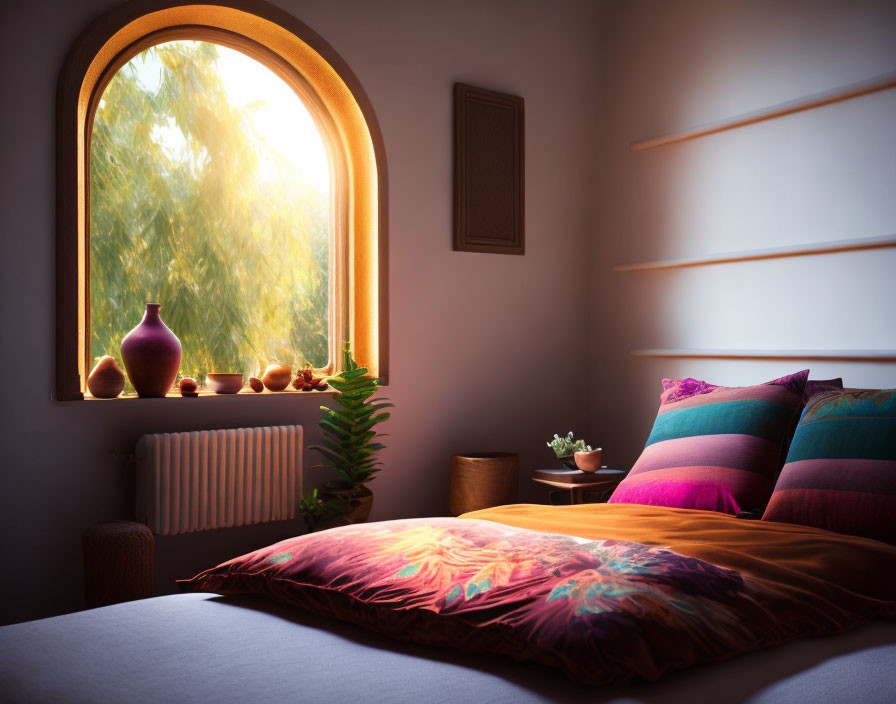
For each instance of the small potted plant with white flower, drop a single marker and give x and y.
(576, 454)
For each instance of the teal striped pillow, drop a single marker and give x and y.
(841, 468)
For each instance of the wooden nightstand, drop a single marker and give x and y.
(602, 482)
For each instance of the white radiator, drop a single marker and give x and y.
(218, 478)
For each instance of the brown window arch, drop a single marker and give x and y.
(337, 102)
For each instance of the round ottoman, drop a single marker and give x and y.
(118, 563)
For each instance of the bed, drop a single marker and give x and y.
(625, 601)
(208, 647)
(204, 648)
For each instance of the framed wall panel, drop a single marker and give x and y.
(488, 171)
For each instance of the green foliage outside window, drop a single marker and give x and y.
(192, 206)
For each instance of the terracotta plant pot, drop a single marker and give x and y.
(151, 355)
(589, 461)
(358, 502)
(224, 383)
(106, 380)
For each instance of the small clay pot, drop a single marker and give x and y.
(276, 377)
(188, 387)
(106, 380)
(224, 383)
(357, 502)
(589, 461)
(256, 385)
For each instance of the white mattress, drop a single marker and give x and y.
(204, 648)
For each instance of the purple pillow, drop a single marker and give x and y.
(713, 447)
(817, 386)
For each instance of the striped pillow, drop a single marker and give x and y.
(841, 469)
(713, 447)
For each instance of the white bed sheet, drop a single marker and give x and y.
(205, 648)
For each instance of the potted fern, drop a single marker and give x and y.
(350, 441)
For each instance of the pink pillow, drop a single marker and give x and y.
(713, 447)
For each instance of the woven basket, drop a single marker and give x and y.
(482, 480)
(118, 563)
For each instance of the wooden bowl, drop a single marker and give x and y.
(222, 383)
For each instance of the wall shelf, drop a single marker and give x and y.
(760, 254)
(853, 90)
(801, 355)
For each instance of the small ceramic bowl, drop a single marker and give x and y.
(589, 461)
(224, 383)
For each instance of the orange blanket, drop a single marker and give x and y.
(814, 581)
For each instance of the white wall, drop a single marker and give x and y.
(821, 175)
(478, 341)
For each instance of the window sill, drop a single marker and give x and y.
(206, 393)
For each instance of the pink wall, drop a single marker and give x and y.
(822, 175)
(479, 342)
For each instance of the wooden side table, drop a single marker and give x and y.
(603, 482)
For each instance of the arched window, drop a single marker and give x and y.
(226, 164)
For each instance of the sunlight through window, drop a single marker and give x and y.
(210, 193)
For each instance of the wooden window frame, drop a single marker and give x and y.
(340, 108)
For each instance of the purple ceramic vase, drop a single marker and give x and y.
(151, 355)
